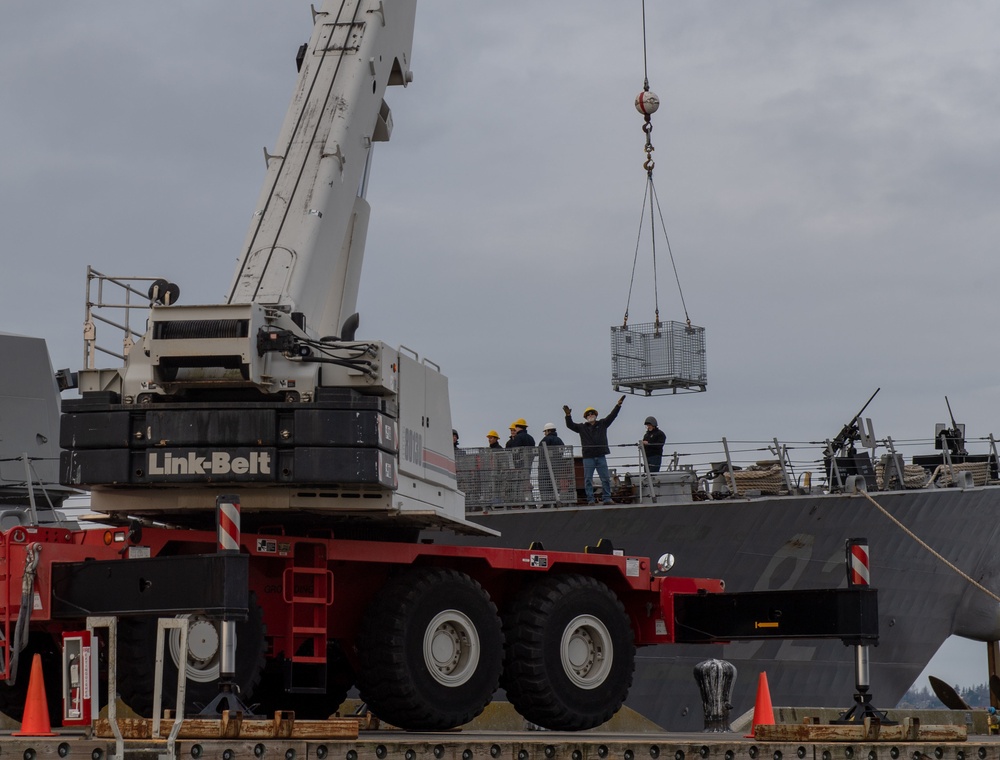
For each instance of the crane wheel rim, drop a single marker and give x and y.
(451, 648)
(586, 651)
(202, 657)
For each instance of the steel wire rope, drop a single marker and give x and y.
(645, 67)
(652, 243)
(650, 193)
(635, 257)
(663, 225)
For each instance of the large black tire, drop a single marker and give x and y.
(339, 680)
(431, 650)
(570, 653)
(137, 659)
(14, 696)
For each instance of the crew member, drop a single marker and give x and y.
(520, 435)
(653, 442)
(594, 444)
(493, 466)
(546, 473)
(523, 456)
(549, 437)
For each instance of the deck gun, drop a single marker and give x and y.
(849, 434)
(952, 438)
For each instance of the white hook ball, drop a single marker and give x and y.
(646, 102)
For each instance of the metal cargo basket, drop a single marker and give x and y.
(664, 357)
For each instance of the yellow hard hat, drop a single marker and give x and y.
(493, 434)
(588, 410)
(520, 423)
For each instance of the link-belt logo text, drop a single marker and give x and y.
(213, 463)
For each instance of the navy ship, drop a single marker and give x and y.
(30, 493)
(772, 524)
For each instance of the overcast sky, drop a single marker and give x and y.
(828, 174)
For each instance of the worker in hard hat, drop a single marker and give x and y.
(520, 435)
(549, 437)
(652, 444)
(523, 454)
(492, 469)
(594, 444)
(546, 474)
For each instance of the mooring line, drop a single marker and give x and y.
(926, 546)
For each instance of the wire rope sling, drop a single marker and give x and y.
(655, 357)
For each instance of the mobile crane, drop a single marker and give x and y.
(332, 453)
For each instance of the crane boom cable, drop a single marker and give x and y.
(652, 239)
(635, 257)
(645, 67)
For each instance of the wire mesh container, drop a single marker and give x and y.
(658, 357)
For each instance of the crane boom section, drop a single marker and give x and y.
(298, 249)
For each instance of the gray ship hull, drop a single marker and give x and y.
(797, 542)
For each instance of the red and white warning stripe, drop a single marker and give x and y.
(859, 565)
(228, 512)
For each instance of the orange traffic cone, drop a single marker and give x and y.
(763, 713)
(36, 708)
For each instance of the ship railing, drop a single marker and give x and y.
(761, 468)
(523, 477)
(704, 469)
(33, 500)
(513, 479)
(889, 471)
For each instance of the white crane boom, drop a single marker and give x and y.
(304, 246)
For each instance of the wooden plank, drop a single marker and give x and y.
(808, 732)
(235, 727)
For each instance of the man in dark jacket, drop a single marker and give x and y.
(550, 438)
(594, 444)
(524, 457)
(546, 474)
(653, 442)
(520, 437)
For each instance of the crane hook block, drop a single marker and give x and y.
(646, 103)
